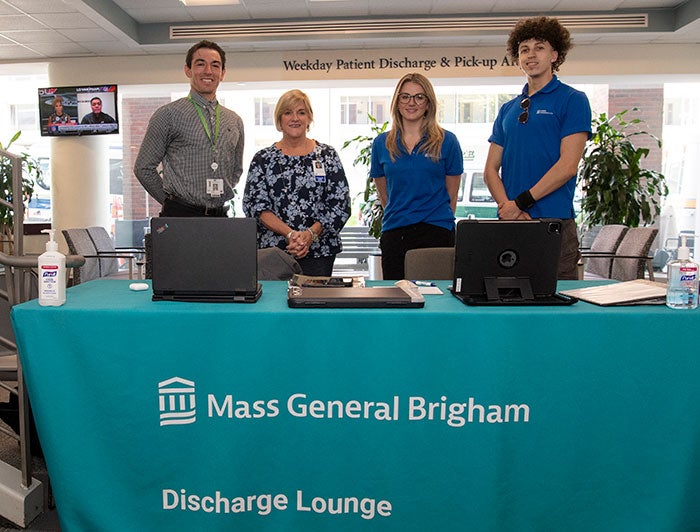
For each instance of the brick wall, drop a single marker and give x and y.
(136, 112)
(650, 102)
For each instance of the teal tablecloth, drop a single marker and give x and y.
(447, 418)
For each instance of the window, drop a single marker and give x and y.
(479, 191)
(354, 109)
(265, 111)
(24, 117)
(681, 146)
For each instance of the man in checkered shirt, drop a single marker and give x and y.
(191, 156)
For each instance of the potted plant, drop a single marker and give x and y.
(371, 208)
(616, 188)
(31, 172)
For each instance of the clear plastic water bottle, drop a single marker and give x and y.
(682, 290)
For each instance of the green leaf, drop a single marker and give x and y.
(371, 208)
(616, 189)
(31, 172)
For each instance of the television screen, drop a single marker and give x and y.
(83, 110)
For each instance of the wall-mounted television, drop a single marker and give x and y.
(78, 110)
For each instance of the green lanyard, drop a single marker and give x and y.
(204, 122)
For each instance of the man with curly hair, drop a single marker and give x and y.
(538, 137)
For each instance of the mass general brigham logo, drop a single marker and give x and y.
(176, 402)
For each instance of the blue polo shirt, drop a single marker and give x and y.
(530, 150)
(415, 184)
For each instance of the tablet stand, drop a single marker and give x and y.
(508, 289)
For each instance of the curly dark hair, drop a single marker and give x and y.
(541, 28)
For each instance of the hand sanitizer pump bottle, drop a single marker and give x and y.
(682, 291)
(52, 274)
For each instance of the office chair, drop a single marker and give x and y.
(430, 263)
(101, 257)
(109, 254)
(597, 260)
(630, 258)
(632, 255)
(80, 243)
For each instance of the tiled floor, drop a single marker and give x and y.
(9, 453)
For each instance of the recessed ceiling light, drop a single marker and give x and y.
(191, 3)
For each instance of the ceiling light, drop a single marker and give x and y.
(192, 3)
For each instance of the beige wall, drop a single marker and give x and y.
(604, 62)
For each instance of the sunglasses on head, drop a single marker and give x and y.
(525, 106)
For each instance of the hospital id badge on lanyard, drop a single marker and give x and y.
(215, 186)
(319, 172)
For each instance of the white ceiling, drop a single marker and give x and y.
(44, 29)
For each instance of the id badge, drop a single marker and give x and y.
(215, 187)
(319, 172)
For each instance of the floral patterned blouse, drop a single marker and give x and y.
(299, 190)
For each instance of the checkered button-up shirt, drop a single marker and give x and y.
(176, 138)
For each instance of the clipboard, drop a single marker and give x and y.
(636, 292)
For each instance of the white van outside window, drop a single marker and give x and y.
(474, 199)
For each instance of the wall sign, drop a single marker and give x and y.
(454, 62)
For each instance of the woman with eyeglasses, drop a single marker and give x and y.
(539, 136)
(416, 167)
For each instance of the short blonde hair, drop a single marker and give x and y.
(287, 101)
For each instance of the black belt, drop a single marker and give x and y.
(202, 211)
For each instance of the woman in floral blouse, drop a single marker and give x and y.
(297, 190)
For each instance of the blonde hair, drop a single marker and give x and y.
(432, 146)
(287, 101)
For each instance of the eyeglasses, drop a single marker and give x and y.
(525, 106)
(419, 98)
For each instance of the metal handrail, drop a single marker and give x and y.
(18, 290)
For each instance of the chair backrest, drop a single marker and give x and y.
(587, 236)
(430, 263)
(606, 241)
(636, 243)
(103, 244)
(80, 243)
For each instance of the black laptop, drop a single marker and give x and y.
(205, 259)
(502, 262)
